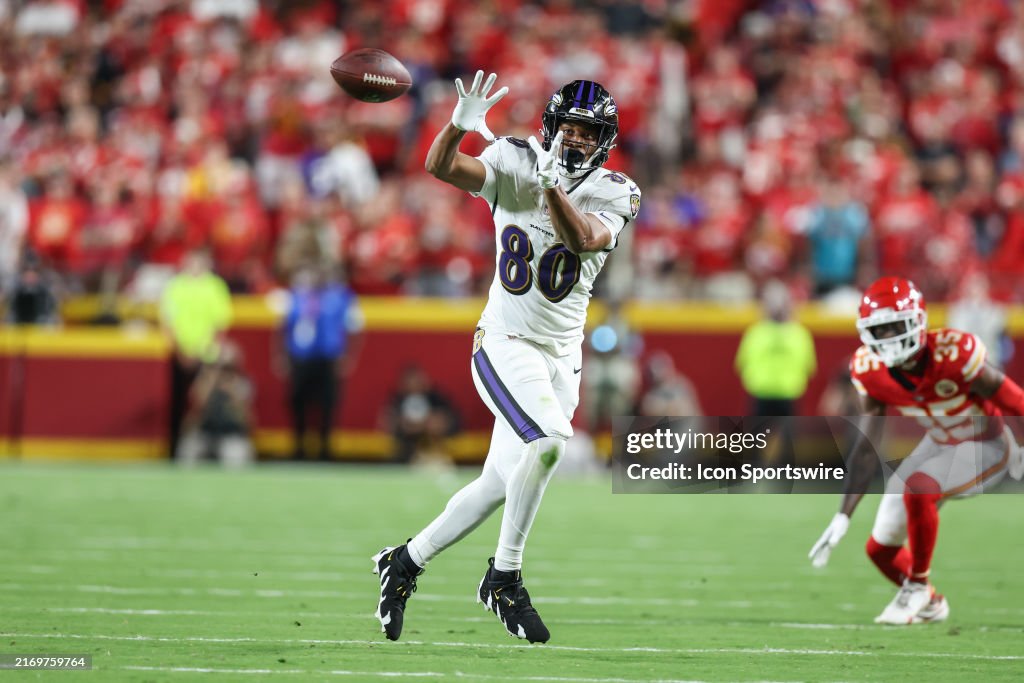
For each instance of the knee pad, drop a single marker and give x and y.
(548, 450)
(554, 424)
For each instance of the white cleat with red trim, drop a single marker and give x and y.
(1015, 465)
(911, 598)
(935, 611)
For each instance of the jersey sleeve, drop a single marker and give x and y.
(976, 361)
(491, 159)
(618, 204)
(499, 160)
(962, 352)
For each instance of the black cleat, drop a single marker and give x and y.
(504, 594)
(396, 585)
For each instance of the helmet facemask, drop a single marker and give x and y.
(894, 349)
(574, 162)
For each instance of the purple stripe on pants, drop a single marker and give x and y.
(524, 426)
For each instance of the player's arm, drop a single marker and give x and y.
(862, 459)
(862, 464)
(444, 160)
(1006, 394)
(580, 232)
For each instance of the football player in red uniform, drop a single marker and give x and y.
(941, 377)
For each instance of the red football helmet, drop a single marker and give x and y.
(893, 321)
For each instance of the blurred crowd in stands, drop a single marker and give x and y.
(819, 142)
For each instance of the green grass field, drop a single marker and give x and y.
(168, 575)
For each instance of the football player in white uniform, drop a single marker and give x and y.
(557, 214)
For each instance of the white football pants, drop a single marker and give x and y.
(962, 470)
(533, 395)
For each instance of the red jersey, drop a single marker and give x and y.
(941, 398)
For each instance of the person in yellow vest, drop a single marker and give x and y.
(776, 357)
(195, 312)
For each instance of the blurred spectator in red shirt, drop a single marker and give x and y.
(722, 95)
(903, 219)
(56, 221)
(110, 231)
(721, 230)
(383, 248)
(238, 232)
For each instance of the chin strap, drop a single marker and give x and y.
(1009, 397)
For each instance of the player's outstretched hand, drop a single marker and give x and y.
(547, 161)
(830, 539)
(473, 105)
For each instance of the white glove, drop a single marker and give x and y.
(1015, 467)
(473, 106)
(547, 162)
(829, 540)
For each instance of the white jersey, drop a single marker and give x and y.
(541, 290)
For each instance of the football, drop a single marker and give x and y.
(371, 75)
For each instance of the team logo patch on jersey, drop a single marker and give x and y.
(946, 388)
(634, 204)
(478, 341)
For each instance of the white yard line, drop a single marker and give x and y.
(337, 595)
(110, 548)
(348, 616)
(277, 593)
(406, 674)
(565, 648)
(306, 577)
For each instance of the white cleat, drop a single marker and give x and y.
(909, 601)
(935, 611)
(1015, 466)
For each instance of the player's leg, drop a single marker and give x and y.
(885, 546)
(921, 498)
(327, 396)
(192, 447)
(530, 478)
(297, 401)
(889, 534)
(932, 474)
(956, 472)
(236, 450)
(523, 494)
(517, 381)
(501, 590)
(936, 474)
(399, 566)
(474, 503)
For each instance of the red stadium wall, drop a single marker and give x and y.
(93, 393)
(103, 393)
